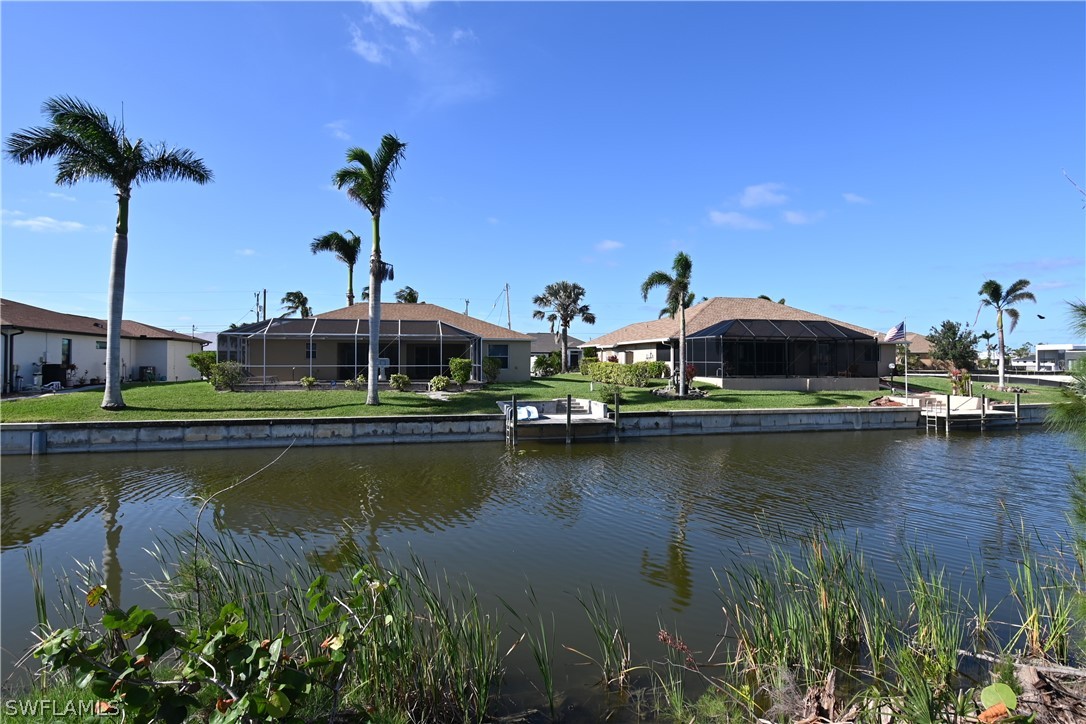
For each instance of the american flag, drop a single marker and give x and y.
(896, 333)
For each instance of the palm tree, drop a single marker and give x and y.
(987, 337)
(679, 298)
(88, 146)
(992, 294)
(346, 248)
(368, 180)
(563, 299)
(769, 299)
(297, 302)
(407, 295)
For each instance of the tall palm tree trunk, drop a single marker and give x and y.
(1002, 353)
(375, 314)
(112, 399)
(682, 351)
(565, 349)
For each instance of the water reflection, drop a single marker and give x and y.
(648, 521)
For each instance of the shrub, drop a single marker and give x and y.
(585, 367)
(202, 362)
(358, 383)
(546, 365)
(308, 383)
(612, 358)
(607, 391)
(439, 383)
(633, 375)
(691, 372)
(399, 382)
(492, 367)
(460, 370)
(226, 375)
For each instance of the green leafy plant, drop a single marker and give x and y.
(546, 365)
(439, 383)
(399, 382)
(460, 370)
(226, 375)
(492, 368)
(203, 361)
(358, 383)
(308, 383)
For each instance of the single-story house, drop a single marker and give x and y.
(416, 340)
(919, 353)
(746, 343)
(546, 343)
(42, 346)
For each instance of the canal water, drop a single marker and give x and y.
(650, 522)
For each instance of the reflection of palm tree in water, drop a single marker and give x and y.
(111, 565)
(675, 573)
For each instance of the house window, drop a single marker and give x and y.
(311, 350)
(99, 344)
(499, 352)
(65, 352)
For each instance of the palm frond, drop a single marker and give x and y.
(1012, 313)
(169, 164)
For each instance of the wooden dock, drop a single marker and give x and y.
(974, 413)
(565, 420)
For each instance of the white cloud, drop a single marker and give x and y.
(369, 50)
(46, 224)
(492, 220)
(11, 212)
(414, 45)
(802, 217)
(246, 252)
(855, 198)
(735, 220)
(609, 245)
(767, 194)
(460, 35)
(336, 129)
(62, 197)
(398, 14)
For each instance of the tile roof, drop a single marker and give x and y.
(25, 316)
(713, 311)
(424, 312)
(543, 342)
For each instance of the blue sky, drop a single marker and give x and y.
(866, 161)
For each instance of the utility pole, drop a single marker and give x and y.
(508, 307)
(257, 296)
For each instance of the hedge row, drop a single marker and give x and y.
(633, 375)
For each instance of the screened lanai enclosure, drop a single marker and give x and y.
(787, 348)
(287, 349)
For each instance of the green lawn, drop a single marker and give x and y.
(197, 400)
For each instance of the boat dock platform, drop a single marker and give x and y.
(566, 419)
(960, 411)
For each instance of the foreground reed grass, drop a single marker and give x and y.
(811, 634)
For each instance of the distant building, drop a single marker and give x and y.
(416, 340)
(1057, 357)
(41, 346)
(545, 343)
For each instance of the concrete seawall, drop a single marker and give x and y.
(63, 437)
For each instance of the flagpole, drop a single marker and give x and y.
(905, 331)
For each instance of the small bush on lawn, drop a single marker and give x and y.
(399, 382)
(546, 365)
(460, 370)
(308, 383)
(358, 383)
(585, 366)
(492, 367)
(226, 375)
(203, 362)
(606, 392)
(439, 383)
